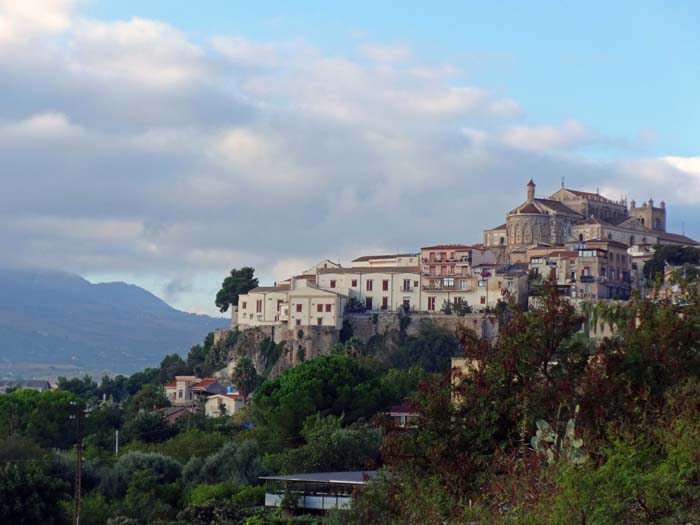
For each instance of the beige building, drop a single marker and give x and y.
(384, 261)
(300, 303)
(221, 405)
(570, 216)
(592, 270)
(378, 288)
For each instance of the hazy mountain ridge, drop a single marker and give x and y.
(56, 318)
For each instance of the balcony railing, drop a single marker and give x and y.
(446, 288)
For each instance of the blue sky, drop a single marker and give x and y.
(626, 68)
(165, 142)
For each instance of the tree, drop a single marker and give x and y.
(245, 377)
(148, 398)
(331, 384)
(330, 447)
(172, 365)
(29, 493)
(431, 349)
(239, 282)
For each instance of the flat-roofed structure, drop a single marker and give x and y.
(316, 492)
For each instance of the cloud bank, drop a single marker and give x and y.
(128, 147)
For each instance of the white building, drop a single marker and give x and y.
(377, 287)
(399, 259)
(301, 303)
(223, 404)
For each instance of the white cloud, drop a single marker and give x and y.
(387, 53)
(148, 52)
(570, 134)
(21, 20)
(129, 148)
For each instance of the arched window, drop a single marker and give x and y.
(609, 236)
(527, 234)
(631, 240)
(502, 241)
(580, 237)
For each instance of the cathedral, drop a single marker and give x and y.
(571, 216)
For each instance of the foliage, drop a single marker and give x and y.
(329, 385)
(120, 477)
(239, 463)
(29, 493)
(245, 377)
(431, 349)
(673, 255)
(330, 447)
(172, 365)
(238, 282)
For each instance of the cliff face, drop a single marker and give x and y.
(272, 349)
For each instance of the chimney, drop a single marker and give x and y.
(530, 191)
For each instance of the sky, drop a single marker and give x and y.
(163, 143)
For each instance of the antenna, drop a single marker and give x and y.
(562, 182)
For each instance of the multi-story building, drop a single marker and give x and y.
(570, 216)
(378, 288)
(187, 390)
(299, 303)
(591, 270)
(401, 259)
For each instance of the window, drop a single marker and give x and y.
(385, 285)
(406, 285)
(243, 305)
(179, 394)
(385, 303)
(415, 284)
(328, 307)
(448, 281)
(319, 308)
(431, 303)
(258, 306)
(298, 323)
(319, 321)
(333, 284)
(354, 283)
(369, 285)
(510, 284)
(483, 300)
(298, 307)
(368, 303)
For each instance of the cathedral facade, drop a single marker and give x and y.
(570, 216)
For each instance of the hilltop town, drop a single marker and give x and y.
(593, 246)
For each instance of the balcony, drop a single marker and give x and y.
(447, 288)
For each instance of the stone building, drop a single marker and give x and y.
(570, 216)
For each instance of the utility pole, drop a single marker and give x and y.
(77, 482)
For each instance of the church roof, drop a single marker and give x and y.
(588, 195)
(528, 208)
(677, 238)
(557, 206)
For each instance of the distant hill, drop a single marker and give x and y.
(53, 321)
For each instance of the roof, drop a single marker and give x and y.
(385, 256)
(357, 477)
(501, 227)
(453, 247)
(676, 237)
(269, 289)
(172, 384)
(235, 397)
(400, 409)
(557, 206)
(371, 269)
(528, 208)
(24, 383)
(204, 383)
(587, 194)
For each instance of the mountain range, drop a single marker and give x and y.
(54, 323)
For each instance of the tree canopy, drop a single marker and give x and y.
(237, 283)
